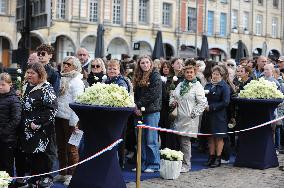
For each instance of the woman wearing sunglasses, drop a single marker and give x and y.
(66, 121)
(97, 71)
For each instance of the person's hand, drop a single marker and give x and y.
(174, 104)
(34, 126)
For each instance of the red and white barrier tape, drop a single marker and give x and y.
(108, 148)
(204, 134)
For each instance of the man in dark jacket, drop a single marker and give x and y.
(44, 53)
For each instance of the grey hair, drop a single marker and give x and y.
(75, 61)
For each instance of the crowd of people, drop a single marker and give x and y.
(190, 95)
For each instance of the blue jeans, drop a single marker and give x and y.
(150, 146)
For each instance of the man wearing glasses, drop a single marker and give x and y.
(44, 53)
(83, 56)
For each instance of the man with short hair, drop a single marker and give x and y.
(258, 70)
(280, 63)
(44, 53)
(33, 58)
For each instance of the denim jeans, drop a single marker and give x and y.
(150, 146)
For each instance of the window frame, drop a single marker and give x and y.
(209, 23)
(143, 12)
(93, 11)
(167, 14)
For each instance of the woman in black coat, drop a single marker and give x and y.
(216, 114)
(39, 109)
(10, 117)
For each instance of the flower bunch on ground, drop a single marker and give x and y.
(172, 155)
(106, 95)
(5, 179)
(261, 89)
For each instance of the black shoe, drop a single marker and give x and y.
(210, 161)
(45, 182)
(23, 184)
(217, 162)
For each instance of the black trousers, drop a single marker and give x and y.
(7, 158)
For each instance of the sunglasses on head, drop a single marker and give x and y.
(42, 53)
(66, 63)
(95, 66)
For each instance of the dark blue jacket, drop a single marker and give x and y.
(119, 80)
(53, 77)
(150, 97)
(218, 100)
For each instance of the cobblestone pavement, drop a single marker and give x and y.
(225, 176)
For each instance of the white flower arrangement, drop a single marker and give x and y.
(261, 89)
(5, 179)
(106, 95)
(171, 155)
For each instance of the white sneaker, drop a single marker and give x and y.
(184, 169)
(59, 178)
(67, 180)
(133, 169)
(149, 170)
(225, 161)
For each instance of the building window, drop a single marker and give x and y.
(275, 3)
(3, 6)
(246, 21)
(223, 24)
(235, 19)
(93, 10)
(274, 27)
(167, 9)
(260, 2)
(143, 11)
(210, 27)
(191, 16)
(116, 16)
(258, 30)
(223, 1)
(61, 9)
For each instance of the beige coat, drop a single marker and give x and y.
(190, 107)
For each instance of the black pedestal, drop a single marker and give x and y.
(256, 147)
(102, 126)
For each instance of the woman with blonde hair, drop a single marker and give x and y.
(148, 94)
(96, 71)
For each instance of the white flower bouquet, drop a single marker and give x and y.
(261, 89)
(171, 162)
(106, 95)
(5, 179)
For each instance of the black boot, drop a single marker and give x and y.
(210, 161)
(217, 162)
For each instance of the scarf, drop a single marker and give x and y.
(215, 82)
(186, 86)
(65, 79)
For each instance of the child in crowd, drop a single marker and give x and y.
(10, 117)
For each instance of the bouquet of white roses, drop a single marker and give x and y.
(172, 155)
(106, 95)
(5, 179)
(261, 89)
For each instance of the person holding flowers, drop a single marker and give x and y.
(189, 98)
(148, 94)
(10, 117)
(216, 114)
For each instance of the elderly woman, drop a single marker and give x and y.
(189, 98)
(66, 121)
(216, 113)
(39, 109)
(96, 71)
(148, 94)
